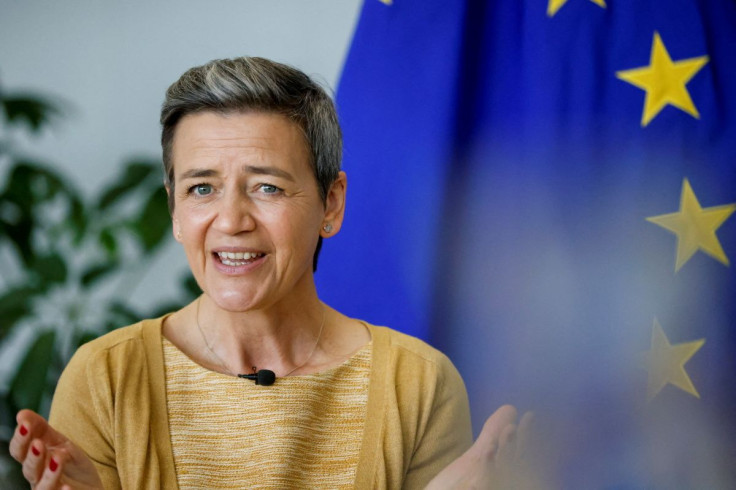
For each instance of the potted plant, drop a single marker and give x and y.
(68, 262)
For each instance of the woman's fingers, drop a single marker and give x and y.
(43, 467)
(38, 447)
(496, 458)
(26, 430)
(507, 442)
(34, 461)
(52, 471)
(38, 427)
(498, 425)
(524, 434)
(19, 442)
(49, 459)
(30, 427)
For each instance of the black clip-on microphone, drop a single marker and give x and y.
(264, 377)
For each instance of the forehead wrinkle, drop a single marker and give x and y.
(197, 173)
(227, 146)
(246, 140)
(246, 168)
(269, 170)
(219, 147)
(209, 155)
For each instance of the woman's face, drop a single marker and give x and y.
(247, 207)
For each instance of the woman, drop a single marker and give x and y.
(252, 153)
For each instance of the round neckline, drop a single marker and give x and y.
(368, 346)
(359, 350)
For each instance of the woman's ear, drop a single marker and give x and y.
(176, 229)
(334, 207)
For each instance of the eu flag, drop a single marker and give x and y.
(545, 190)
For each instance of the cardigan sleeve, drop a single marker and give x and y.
(448, 432)
(111, 402)
(82, 411)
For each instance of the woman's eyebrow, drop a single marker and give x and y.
(266, 170)
(198, 173)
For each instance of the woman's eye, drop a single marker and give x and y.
(269, 189)
(201, 190)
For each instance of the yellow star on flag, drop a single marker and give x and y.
(666, 363)
(554, 5)
(695, 227)
(387, 2)
(664, 81)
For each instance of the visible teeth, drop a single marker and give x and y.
(236, 258)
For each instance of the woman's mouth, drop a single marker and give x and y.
(236, 259)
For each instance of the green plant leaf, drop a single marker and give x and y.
(32, 182)
(51, 269)
(14, 305)
(78, 219)
(29, 184)
(46, 183)
(124, 311)
(190, 285)
(163, 309)
(121, 315)
(33, 110)
(134, 176)
(29, 384)
(153, 224)
(18, 188)
(7, 417)
(16, 213)
(97, 272)
(84, 337)
(108, 241)
(19, 235)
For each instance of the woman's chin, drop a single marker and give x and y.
(235, 301)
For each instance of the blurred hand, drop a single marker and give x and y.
(496, 459)
(50, 460)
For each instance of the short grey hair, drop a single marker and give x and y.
(256, 84)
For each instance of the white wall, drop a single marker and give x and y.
(112, 61)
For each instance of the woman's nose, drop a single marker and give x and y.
(234, 215)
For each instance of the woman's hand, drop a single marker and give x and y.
(495, 460)
(50, 460)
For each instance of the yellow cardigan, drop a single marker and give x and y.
(111, 401)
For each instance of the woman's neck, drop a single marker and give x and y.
(278, 338)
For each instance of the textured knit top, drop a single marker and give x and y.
(314, 426)
(111, 402)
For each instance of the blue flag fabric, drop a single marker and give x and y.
(396, 110)
(545, 190)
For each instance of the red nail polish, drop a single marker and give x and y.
(23, 430)
(53, 465)
(35, 451)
